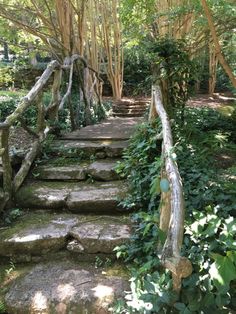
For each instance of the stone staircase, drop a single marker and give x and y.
(130, 108)
(72, 222)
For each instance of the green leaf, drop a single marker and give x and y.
(180, 306)
(222, 271)
(222, 300)
(155, 186)
(208, 300)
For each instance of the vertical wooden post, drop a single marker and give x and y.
(52, 110)
(41, 114)
(6, 163)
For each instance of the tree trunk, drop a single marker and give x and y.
(219, 53)
(213, 62)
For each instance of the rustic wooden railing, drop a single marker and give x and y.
(12, 181)
(172, 208)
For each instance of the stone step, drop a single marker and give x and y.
(78, 148)
(138, 102)
(79, 197)
(103, 170)
(39, 235)
(66, 287)
(128, 110)
(128, 115)
(131, 106)
(114, 129)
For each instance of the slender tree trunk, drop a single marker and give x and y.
(213, 62)
(219, 53)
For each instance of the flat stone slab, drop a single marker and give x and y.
(113, 129)
(128, 115)
(79, 197)
(41, 233)
(36, 234)
(99, 235)
(43, 194)
(74, 148)
(70, 172)
(64, 288)
(103, 170)
(97, 198)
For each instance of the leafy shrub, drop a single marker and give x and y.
(175, 71)
(137, 70)
(8, 105)
(209, 240)
(6, 77)
(141, 163)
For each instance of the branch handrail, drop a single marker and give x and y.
(34, 97)
(173, 208)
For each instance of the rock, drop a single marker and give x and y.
(115, 149)
(36, 234)
(100, 170)
(101, 236)
(64, 288)
(79, 197)
(74, 148)
(43, 195)
(100, 155)
(96, 197)
(70, 172)
(75, 246)
(103, 170)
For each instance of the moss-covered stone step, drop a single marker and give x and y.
(79, 197)
(103, 170)
(98, 148)
(65, 287)
(99, 235)
(37, 235)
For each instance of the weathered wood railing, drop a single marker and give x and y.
(172, 201)
(12, 181)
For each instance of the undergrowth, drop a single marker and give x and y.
(210, 226)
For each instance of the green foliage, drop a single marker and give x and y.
(174, 69)
(2, 307)
(141, 163)
(209, 240)
(137, 70)
(9, 216)
(99, 262)
(6, 76)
